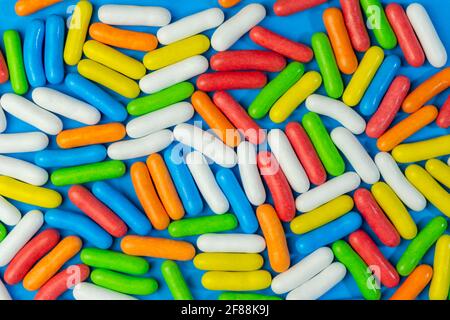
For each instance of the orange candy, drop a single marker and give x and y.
(84, 136)
(414, 284)
(228, 3)
(27, 7)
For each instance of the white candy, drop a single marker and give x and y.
(23, 171)
(173, 74)
(30, 113)
(190, 25)
(160, 119)
(23, 142)
(2, 120)
(20, 235)
(4, 294)
(206, 182)
(125, 15)
(356, 155)
(231, 242)
(90, 291)
(427, 35)
(289, 163)
(250, 177)
(66, 106)
(320, 284)
(304, 270)
(136, 148)
(9, 214)
(238, 25)
(448, 161)
(337, 110)
(394, 177)
(206, 143)
(328, 191)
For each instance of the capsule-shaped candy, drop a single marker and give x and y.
(128, 15)
(231, 242)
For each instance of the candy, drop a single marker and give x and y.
(228, 261)
(443, 119)
(123, 283)
(355, 153)
(175, 281)
(78, 28)
(206, 183)
(340, 41)
(328, 154)
(27, 193)
(228, 3)
(355, 24)
(441, 278)
(66, 106)
(288, 7)
(323, 52)
(273, 232)
(4, 74)
(89, 291)
(9, 214)
(4, 294)
(420, 245)
(231, 242)
(176, 52)
(247, 60)
(236, 196)
(428, 37)
(414, 284)
(23, 171)
(190, 25)
(378, 22)
(358, 269)
(236, 281)
(3, 232)
(80, 225)
(439, 171)
(422, 150)
(302, 271)
(231, 80)
(33, 46)
(246, 296)
(126, 15)
(54, 48)
(14, 58)
(102, 133)
(294, 96)
(71, 157)
(157, 248)
(27, 7)
(88, 173)
(20, 235)
(173, 74)
(113, 260)
(235, 27)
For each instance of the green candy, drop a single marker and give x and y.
(358, 268)
(3, 232)
(14, 58)
(332, 80)
(382, 29)
(88, 173)
(420, 245)
(124, 283)
(112, 260)
(161, 99)
(275, 89)
(246, 296)
(202, 225)
(175, 281)
(328, 154)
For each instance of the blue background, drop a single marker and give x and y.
(299, 27)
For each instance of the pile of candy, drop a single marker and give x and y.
(309, 172)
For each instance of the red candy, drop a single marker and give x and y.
(443, 119)
(389, 107)
(97, 211)
(375, 218)
(288, 48)
(63, 281)
(355, 25)
(239, 117)
(230, 80)
(372, 256)
(34, 250)
(248, 60)
(278, 185)
(407, 39)
(306, 153)
(4, 75)
(288, 7)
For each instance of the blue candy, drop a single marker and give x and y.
(236, 196)
(54, 47)
(32, 53)
(70, 157)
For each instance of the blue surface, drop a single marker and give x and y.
(298, 27)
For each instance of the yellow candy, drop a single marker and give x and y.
(109, 78)
(228, 261)
(114, 59)
(77, 32)
(441, 277)
(176, 51)
(236, 281)
(429, 187)
(439, 170)
(322, 215)
(363, 76)
(423, 150)
(298, 93)
(27, 193)
(395, 210)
